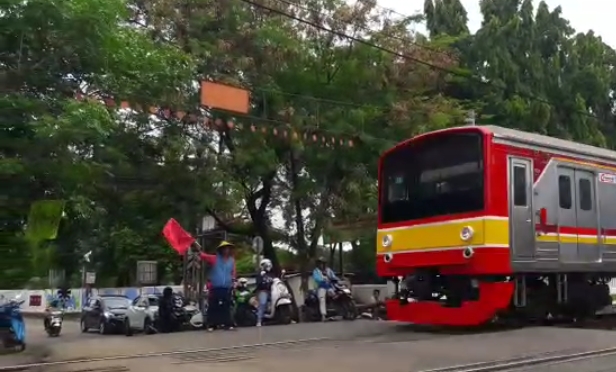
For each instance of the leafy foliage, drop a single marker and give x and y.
(123, 172)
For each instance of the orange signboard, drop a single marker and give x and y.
(224, 97)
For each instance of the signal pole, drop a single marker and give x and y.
(470, 118)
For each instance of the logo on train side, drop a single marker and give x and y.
(607, 178)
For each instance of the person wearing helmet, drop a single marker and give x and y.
(264, 284)
(323, 276)
(242, 284)
(221, 278)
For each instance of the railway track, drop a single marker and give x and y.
(527, 362)
(203, 354)
(402, 334)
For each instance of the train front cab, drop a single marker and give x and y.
(438, 233)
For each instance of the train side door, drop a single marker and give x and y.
(567, 217)
(589, 246)
(521, 225)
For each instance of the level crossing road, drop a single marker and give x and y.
(345, 346)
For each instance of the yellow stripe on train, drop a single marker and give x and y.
(486, 231)
(576, 239)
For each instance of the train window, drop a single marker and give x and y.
(397, 190)
(435, 176)
(519, 186)
(564, 192)
(585, 194)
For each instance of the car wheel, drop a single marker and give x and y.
(102, 327)
(83, 326)
(128, 331)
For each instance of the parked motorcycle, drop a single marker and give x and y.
(53, 322)
(189, 316)
(341, 303)
(12, 326)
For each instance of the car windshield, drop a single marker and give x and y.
(116, 302)
(437, 176)
(153, 301)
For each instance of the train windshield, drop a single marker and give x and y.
(435, 176)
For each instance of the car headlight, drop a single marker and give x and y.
(107, 314)
(467, 233)
(387, 241)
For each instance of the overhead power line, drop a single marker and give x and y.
(368, 29)
(469, 76)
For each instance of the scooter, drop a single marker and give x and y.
(185, 314)
(53, 322)
(193, 316)
(12, 326)
(279, 307)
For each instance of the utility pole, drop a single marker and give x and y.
(470, 118)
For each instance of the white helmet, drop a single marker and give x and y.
(242, 281)
(266, 264)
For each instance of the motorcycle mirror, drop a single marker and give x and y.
(283, 272)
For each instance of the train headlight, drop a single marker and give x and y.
(467, 233)
(387, 241)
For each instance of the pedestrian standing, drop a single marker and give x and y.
(221, 278)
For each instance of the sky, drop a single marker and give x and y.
(582, 14)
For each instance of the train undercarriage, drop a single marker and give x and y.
(426, 297)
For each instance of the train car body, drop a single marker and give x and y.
(480, 222)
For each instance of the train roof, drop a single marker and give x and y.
(557, 144)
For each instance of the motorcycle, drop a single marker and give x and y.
(12, 325)
(192, 316)
(279, 305)
(341, 303)
(245, 308)
(278, 309)
(53, 322)
(186, 314)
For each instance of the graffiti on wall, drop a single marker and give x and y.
(38, 300)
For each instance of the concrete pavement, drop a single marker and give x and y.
(345, 346)
(367, 350)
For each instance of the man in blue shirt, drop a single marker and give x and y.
(221, 278)
(323, 276)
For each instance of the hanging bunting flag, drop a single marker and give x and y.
(227, 98)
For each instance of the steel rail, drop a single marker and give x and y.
(523, 357)
(513, 364)
(21, 367)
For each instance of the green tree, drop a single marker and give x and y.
(532, 71)
(55, 146)
(375, 107)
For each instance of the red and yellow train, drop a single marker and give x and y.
(483, 222)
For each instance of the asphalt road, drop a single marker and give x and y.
(345, 346)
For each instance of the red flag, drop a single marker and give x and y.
(178, 238)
